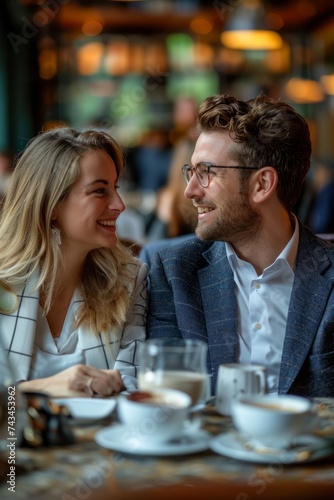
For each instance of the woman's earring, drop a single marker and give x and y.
(56, 234)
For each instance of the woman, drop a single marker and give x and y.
(72, 298)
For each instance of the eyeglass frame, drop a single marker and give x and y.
(188, 168)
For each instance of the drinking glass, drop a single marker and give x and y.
(236, 380)
(175, 364)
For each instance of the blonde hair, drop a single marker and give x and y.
(43, 176)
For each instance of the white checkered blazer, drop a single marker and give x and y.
(17, 332)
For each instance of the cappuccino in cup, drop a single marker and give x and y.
(157, 415)
(192, 383)
(273, 420)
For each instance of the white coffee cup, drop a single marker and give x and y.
(157, 415)
(236, 380)
(273, 420)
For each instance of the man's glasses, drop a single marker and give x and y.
(204, 173)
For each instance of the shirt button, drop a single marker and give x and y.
(257, 285)
(258, 326)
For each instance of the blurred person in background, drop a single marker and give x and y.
(175, 214)
(321, 217)
(72, 298)
(147, 169)
(148, 162)
(6, 168)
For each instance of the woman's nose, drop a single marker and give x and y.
(116, 203)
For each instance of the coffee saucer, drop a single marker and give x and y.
(306, 448)
(119, 437)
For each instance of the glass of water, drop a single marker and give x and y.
(174, 364)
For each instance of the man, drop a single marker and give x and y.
(256, 284)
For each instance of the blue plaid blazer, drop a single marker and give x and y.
(192, 296)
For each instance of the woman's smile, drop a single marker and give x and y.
(108, 224)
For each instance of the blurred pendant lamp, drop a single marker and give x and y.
(247, 29)
(327, 82)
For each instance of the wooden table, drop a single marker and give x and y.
(86, 471)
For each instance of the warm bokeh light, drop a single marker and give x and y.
(89, 58)
(48, 64)
(204, 55)
(117, 60)
(137, 58)
(201, 26)
(304, 91)
(251, 40)
(231, 60)
(92, 28)
(155, 58)
(327, 81)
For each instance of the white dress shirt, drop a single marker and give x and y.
(263, 303)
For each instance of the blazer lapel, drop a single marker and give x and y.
(96, 351)
(220, 308)
(307, 304)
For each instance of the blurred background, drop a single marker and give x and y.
(139, 69)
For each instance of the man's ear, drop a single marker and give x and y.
(264, 184)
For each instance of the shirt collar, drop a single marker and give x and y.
(288, 254)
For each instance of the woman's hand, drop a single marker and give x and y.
(93, 381)
(78, 381)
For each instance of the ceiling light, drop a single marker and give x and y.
(247, 29)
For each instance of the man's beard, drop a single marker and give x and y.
(238, 221)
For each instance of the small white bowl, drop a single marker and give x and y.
(273, 420)
(87, 408)
(157, 415)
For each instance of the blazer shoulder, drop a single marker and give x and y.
(315, 251)
(191, 255)
(191, 247)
